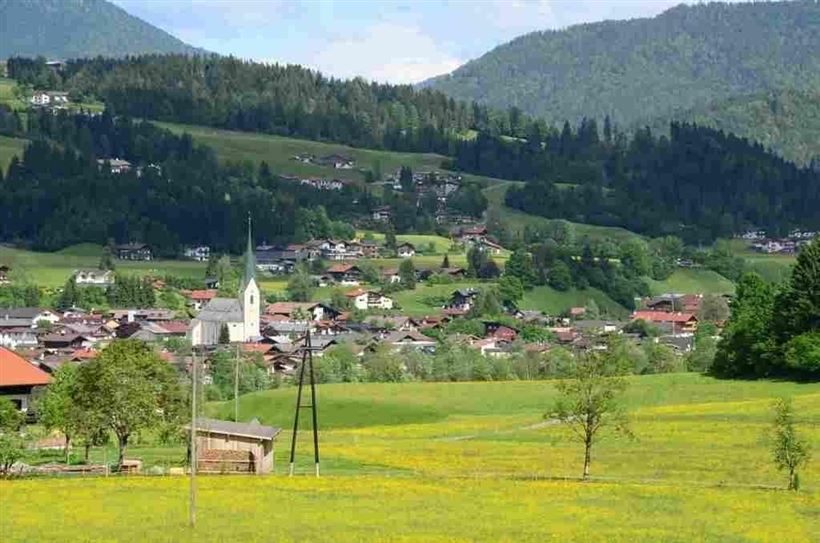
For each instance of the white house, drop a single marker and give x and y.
(28, 316)
(115, 165)
(199, 253)
(91, 277)
(368, 299)
(49, 98)
(406, 250)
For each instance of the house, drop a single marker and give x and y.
(369, 299)
(577, 312)
(454, 273)
(462, 299)
(381, 214)
(369, 249)
(27, 316)
(197, 299)
(406, 250)
(134, 251)
(688, 303)
(491, 246)
(94, 277)
(234, 447)
(15, 336)
(339, 162)
(49, 98)
(590, 326)
(114, 165)
(393, 322)
(410, 339)
(473, 234)
(300, 311)
(391, 275)
(65, 340)
(679, 322)
(4, 274)
(499, 331)
(198, 253)
(18, 378)
(323, 184)
(345, 274)
(240, 316)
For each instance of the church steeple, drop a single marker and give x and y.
(250, 257)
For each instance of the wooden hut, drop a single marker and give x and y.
(234, 447)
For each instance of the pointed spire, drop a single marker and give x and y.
(250, 258)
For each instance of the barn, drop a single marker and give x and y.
(234, 447)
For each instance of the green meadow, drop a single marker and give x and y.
(465, 462)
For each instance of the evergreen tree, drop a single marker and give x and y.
(407, 273)
(224, 334)
(520, 265)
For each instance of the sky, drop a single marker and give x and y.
(386, 41)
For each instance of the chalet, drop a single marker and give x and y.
(94, 277)
(591, 326)
(49, 98)
(490, 246)
(345, 274)
(473, 234)
(197, 299)
(338, 162)
(492, 346)
(337, 249)
(410, 339)
(391, 276)
(370, 249)
(234, 447)
(462, 299)
(688, 303)
(389, 323)
(500, 331)
(679, 322)
(406, 250)
(18, 378)
(381, 214)
(323, 184)
(300, 311)
(27, 316)
(134, 251)
(4, 274)
(369, 299)
(17, 337)
(198, 253)
(64, 340)
(114, 165)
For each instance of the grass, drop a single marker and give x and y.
(428, 299)
(554, 302)
(692, 281)
(10, 147)
(441, 244)
(467, 462)
(54, 269)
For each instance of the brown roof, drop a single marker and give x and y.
(203, 294)
(16, 371)
(663, 316)
(340, 268)
(286, 308)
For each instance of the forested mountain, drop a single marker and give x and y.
(287, 100)
(641, 70)
(60, 29)
(786, 121)
(698, 183)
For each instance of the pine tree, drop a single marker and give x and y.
(224, 334)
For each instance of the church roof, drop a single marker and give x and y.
(250, 258)
(222, 310)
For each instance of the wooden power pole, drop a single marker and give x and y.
(307, 361)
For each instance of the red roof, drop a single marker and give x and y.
(17, 371)
(355, 293)
(176, 327)
(286, 308)
(203, 295)
(83, 354)
(663, 316)
(256, 347)
(340, 268)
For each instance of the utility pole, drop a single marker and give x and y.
(307, 359)
(236, 387)
(193, 462)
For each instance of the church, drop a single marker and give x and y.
(240, 315)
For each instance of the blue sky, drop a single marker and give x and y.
(394, 41)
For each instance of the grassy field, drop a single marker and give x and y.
(467, 462)
(441, 244)
(693, 281)
(8, 148)
(554, 302)
(53, 269)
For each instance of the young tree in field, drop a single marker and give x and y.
(789, 451)
(224, 334)
(445, 263)
(132, 389)
(11, 446)
(590, 402)
(300, 286)
(56, 406)
(407, 274)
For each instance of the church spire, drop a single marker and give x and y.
(250, 258)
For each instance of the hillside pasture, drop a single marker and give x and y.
(10, 147)
(555, 302)
(53, 269)
(692, 281)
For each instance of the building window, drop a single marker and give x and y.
(251, 299)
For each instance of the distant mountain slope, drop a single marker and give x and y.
(642, 69)
(78, 28)
(786, 121)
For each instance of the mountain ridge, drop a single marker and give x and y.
(62, 29)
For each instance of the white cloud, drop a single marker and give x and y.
(385, 52)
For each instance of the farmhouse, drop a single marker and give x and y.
(345, 274)
(134, 251)
(28, 316)
(239, 315)
(339, 162)
(49, 98)
(368, 299)
(406, 250)
(197, 299)
(234, 447)
(94, 277)
(381, 214)
(370, 249)
(114, 165)
(462, 300)
(300, 311)
(679, 322)
(198, 253)
(18, 377)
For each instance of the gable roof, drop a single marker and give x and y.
(663, 316)
(286, 308)
(207, 294)
(17, 371)
(229, 428)
(222, 310)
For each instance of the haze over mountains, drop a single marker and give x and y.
(60, 29)
(715, 63)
